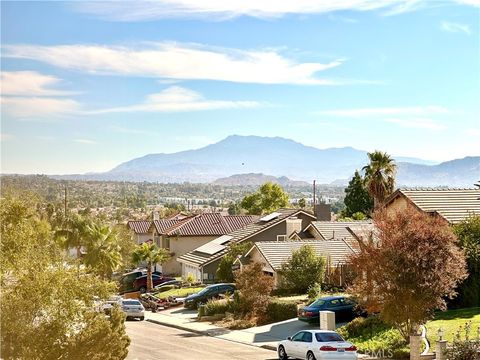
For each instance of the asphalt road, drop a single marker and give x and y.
(152, 341)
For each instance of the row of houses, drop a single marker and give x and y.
(198, 243)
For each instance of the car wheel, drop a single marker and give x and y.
(143, 289)
(142, 318)
(310, 356)
(282, 354)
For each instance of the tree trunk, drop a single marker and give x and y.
(149, 277)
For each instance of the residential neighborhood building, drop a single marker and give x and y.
(142, 230)
(272, 254)
(452, 205)
(281, 225)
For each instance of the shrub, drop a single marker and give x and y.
(213, 307)
(189, 278)
(280, 310)
(239, 324)
(464, 350)
(314, 291)
(372, 336)
(303, 269)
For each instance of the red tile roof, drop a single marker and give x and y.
(139, 226)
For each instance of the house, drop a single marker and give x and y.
(183, 234)
(452, 205)
(142, 230)
(272, 254)
(202, 262)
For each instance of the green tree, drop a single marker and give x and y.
(380, 176)
(150, 254)
(74, 233)
(49, 308)
(267, 199)
(103, 250)
(407, 268)
(304, 269)
(357, 198)
(224, 270)
(234, 209)
(468, 233)
(302, 203)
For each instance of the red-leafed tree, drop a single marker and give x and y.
(407, 268)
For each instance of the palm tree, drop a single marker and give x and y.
(151, 254)
(103, 250)
(74, 233)
(380, 176)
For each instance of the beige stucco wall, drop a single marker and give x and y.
(257, 257)
(179, 246)
(400, 203)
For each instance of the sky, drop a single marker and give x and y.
(88, 85)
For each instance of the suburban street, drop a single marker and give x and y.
(152, 341)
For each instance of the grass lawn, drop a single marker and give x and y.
(182, 292)
(450, 321)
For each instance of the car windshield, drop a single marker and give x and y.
(131, 302)
(203, 291)
(318, 302)
(329, 336)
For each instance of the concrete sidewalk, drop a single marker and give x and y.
(266, 336)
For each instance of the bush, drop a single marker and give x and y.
(280, 310)
(213, 307)
(373, 336)
(314, 292)
(464, 350)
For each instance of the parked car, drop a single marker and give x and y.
(316, 344)
(126, 280)
(133, 309)
(207, 293)
(343, 307)
(168, 285)
(140, 283)
(110, 303)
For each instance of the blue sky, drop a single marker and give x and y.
(87, 85)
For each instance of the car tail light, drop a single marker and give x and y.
(309, 313)
(351, 348)
(328, 348)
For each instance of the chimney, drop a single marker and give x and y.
(323, 212)
(293, 224)
(156, 215)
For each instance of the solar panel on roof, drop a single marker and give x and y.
(210, 248)
(222, 239)
(271, 216)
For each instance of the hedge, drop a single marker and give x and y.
(281, 310)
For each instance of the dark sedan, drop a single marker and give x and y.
(210, 292)
(344, 309)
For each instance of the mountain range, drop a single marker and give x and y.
(280, 157)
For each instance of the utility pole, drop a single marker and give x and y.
(65, 201)
(314, 194)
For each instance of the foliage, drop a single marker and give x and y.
(304, 269)
(314, 291)
(47, 304)
(182, 292)
(103, 255)
(338, 207)
(74, 233)
(213, 306)
(357, 199)
(468, 233)
(464, 350)
(255, 287)
(150, 254)
(189, 278)
(373, 336)
(408, 270)
(281, 310)
(267, 199)
(380, 176)
(302, 203)
(234, 209)
(224, 270)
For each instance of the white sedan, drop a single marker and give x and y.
(316, 345)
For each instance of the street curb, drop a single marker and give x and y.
(206, 333)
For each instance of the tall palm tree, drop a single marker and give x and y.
(380, 176)
(103, 250)
(151, 254)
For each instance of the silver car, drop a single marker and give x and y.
(133, 309)
(316, 345)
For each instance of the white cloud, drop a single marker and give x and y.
(37, 107)
(84, 141)
(179, 61)
(385, 111)
(226, 9)
(30, 83)
(178, 99)
(455, 27)
(417, 123)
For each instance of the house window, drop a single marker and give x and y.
(166, 243)
(156, 238)
(281, 237)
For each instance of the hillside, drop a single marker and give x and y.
(257, 180)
